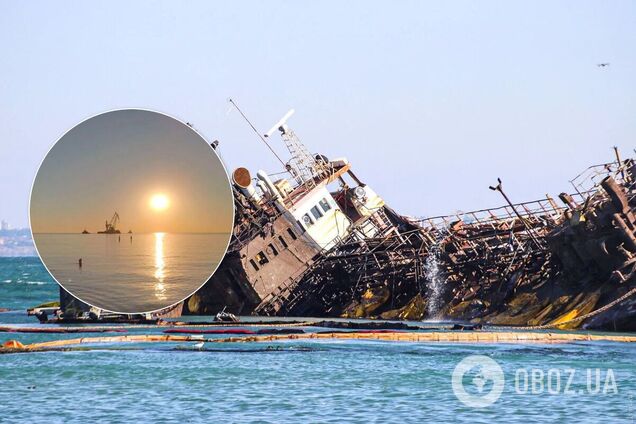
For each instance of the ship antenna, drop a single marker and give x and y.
(257, 133)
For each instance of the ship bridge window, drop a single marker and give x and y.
(325, 204)
(291, 232)
(271, 249)
(254, 264)
(261, 258)
(316, 212)
(301, 226)
(307, 220)
(282, 241)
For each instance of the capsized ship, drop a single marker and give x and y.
(285, 227)
(320, 242)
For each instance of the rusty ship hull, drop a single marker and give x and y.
(565, 263)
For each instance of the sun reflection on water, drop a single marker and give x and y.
(160, 265)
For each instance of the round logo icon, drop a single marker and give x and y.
(478, 381)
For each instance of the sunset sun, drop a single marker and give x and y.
(159, 202)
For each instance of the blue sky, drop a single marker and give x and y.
(430, 101)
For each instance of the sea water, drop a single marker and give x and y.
(301, 381)
(131, 272)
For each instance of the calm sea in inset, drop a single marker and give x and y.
(131, 272)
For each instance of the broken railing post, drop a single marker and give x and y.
(618, 197)
(568, 201)
(499, 188)
(619, 162)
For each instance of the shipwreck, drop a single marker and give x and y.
(320, 242)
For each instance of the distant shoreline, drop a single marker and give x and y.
(17, 243)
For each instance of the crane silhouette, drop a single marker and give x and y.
(111, 227)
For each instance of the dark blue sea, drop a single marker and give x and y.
(299, 380)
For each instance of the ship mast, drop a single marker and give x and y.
(302, 165)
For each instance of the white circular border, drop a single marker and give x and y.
(204, 139)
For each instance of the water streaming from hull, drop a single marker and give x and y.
(434, 282)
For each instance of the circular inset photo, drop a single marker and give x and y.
(131, 211)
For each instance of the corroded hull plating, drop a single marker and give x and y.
(530, 264)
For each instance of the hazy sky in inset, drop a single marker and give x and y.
(431, 101)
(116, 162)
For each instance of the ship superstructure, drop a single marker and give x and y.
(283, 227)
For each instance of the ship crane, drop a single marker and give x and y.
(111, 227)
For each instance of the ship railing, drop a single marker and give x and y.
(590, 178)
(321, 172)
(533, 212)
(586, 185)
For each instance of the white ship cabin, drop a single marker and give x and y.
(321, 218)
(324, 218)
(309, 220)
